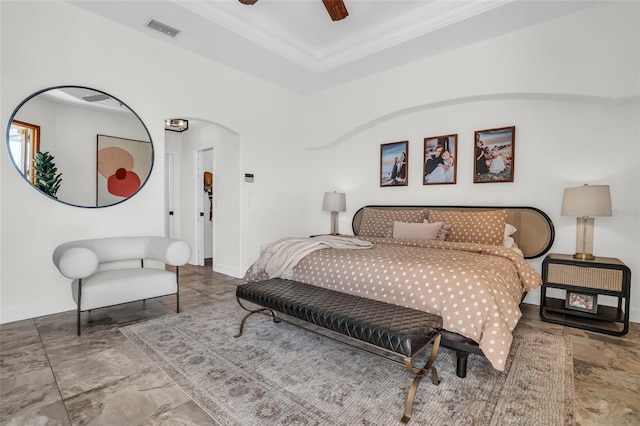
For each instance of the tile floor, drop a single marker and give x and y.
(49, 376)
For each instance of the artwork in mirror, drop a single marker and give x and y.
(70, 124)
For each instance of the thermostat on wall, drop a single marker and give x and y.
(248, 177)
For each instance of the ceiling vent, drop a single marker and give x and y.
(96, 98)
(163, 28)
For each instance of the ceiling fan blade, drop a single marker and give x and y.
(336, 8)
(248, 1)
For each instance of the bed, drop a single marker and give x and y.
(467, 264)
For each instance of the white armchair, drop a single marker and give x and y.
(96, 285)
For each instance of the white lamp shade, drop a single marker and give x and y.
(587, 201)
(334, 202)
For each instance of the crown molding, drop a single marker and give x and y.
(435, 15)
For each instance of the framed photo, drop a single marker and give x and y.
(582, 302)
(123, 165)
(394, 164)
(440, 153)
(494, 155)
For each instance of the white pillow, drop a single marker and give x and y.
(509, 230)
(444, 231)
(417, 231)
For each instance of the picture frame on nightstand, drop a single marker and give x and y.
(582, 302)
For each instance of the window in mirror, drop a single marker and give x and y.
(24, 142)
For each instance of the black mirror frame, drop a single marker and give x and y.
(33, 95)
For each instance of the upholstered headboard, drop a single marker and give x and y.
(535, 232)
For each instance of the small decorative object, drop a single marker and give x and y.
(494, 155)
(440, 163)
(334, 202)
(394, 164)
(584, 202)
(46, 177)
(582, 302)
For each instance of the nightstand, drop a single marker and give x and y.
(584, 281)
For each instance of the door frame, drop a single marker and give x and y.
(201, 211)
(170, 194)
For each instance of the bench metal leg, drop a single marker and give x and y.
(265, 311)
(420, 373)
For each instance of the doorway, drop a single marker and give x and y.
(211, 227)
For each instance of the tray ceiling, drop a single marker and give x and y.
(295, 44)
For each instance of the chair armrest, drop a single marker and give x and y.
(168, 250)
(75, 262)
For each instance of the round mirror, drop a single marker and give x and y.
(80, 146)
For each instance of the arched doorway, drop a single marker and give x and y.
(207, 146)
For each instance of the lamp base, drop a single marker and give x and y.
(584, 238)
(584, 256)
(334, 223)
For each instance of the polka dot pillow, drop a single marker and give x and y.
(485, 227)
(376, 222)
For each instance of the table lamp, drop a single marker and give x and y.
(334, 202)
(584, 202)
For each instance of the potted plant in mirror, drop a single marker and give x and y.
(46, 179)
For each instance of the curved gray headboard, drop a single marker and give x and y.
(535, 233)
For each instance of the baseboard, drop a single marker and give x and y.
(232, 272)
(33, 310)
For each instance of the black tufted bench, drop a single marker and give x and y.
(399, 331)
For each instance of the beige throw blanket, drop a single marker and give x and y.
(278, 259)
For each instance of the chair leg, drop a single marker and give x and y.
(177, 291)
(79, 304)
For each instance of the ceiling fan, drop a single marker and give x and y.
(336, 8)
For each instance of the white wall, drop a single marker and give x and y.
(60, 44)
(572, 89)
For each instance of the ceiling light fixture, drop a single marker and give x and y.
(176, 124)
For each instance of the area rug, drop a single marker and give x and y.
(278, 374)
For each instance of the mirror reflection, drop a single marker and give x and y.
(80, 146)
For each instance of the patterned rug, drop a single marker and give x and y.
(277, 374)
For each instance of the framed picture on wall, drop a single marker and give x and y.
(494, 157)
(394, 164)
(440, 154)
